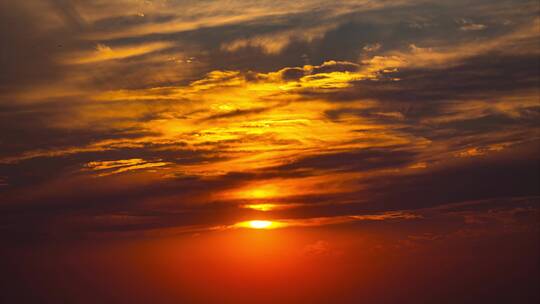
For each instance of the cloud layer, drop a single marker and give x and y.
(120, 116)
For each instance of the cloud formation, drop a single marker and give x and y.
(177, 114)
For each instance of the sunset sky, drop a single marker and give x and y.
(242, 151)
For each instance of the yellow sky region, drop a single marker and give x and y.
(250, 124)
(256, 122)
(265, 86)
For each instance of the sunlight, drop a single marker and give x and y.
(271, 207)
(259, 224)
(261, 207)
(263, 192)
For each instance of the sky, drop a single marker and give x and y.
(239, 151)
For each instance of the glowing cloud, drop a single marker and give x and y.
(105, 53)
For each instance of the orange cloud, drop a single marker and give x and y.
(105, 53)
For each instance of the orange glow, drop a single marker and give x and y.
(282, 189)
(270, 207)
(262, 192)
(257, 191)
(259, 224)
(261, 207)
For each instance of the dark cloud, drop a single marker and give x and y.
(330, 67)
(67, 10)
(127, 21)
(358, 161)
(236, 113)
(353, 31)
(28, 127)
(292, 73)
(26, 54)
(469, 179)
(486, 76)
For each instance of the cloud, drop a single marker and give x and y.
(69, 13)
(468, 25)
(276, 42)
(176, 115)
(104, 53)
(357, 161)
(123, 165)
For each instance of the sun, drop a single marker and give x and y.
(260, 224)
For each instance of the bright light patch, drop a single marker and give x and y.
(259, 224)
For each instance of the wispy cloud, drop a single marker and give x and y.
(103, 52)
